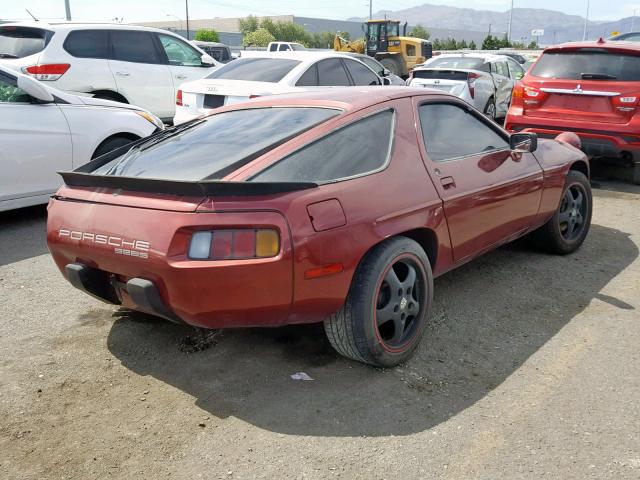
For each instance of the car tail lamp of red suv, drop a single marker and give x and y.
(48, 72)
(525, 96)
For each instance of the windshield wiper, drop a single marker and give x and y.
(8, 55)
(597, 76)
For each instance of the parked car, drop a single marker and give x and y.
(43, 130)
(267, 73)
(124, 63)
(626, 37)
(516, 56)
(331, 206)
(377, 67)
(485, 81)
(218, 51)
(285, 47)
(591, 88)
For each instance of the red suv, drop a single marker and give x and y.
(591, 88)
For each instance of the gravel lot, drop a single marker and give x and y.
(529, 368)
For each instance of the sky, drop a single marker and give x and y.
(141, 10)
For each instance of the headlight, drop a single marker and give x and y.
(151, 119)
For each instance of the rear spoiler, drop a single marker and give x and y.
(82, 177)
(176, 187)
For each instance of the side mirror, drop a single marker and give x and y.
(523, 142)
(207, 60)
(386, 81)
(35, 89)
(386, 72)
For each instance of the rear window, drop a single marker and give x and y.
(216, 146)
(256, 69)
(441, 74)
(456, 62)
(587, 65)
(19, 42)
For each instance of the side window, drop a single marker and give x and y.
(179, 53)
(360, 74)
(441, 126)
(515, 70)
(500, 68)
(134, 46)
(273, 47)
(411, 50)
(373, 65)
(88, 43)
(344, 153)
(284, 47)
(331, 73)
(10, 93)
(309, 78)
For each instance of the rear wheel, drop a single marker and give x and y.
(490, 109)
(392, 64)
(386, 311)
(567, 229)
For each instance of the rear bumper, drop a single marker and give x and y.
(596, 141)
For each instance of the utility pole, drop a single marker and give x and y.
(186, 5)
(370, 9)
(510, 22)
(633, 20)
(586, 20)
(67, 8)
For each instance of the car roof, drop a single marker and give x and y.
(344, 98)
(487, 57)
(303, 56)
(619, 45)
(68, 26)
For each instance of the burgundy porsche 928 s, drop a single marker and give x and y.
(338, 206)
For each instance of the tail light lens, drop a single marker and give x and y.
(179, 98)
(48, 72)
(234, 244)
(471, 80)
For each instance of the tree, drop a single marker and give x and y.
(286, 31)
(248, 25)
(462, 44)
(420, 32)
(490, 43)
(207, 35)
(472, 45)
(323, 39)
(533, 45)
(258, 38)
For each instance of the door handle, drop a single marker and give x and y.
(448, 182)
(181, 76)
(123, 74)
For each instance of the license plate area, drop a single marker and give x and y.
(213, 101)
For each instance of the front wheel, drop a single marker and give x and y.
(386, 311)
(569, 226)
(392, 64)
(490, 109)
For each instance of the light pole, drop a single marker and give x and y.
(176, 17)
(186, 5)
(633, 20)
(67, 9)
(510, 22)
(586, 20)
(370, 9)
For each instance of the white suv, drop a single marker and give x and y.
(130, 64)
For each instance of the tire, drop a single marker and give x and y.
(111, 144)
(392, 64)
(383, 285)
(490, 109)
(569, 226)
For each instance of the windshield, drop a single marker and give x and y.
(588, 65)
(256, 69)
(214, 147)
(455, 62)
(19, 42)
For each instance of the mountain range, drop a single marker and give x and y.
(558, 27)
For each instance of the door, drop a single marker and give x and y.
(141, 73)
(504, 86)
(36, 143)
(360, 73)
(490, 194)
(185, 62)
(331, 73)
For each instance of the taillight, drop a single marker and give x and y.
(179, 98)
(49, 72)
(471, 80)
(234, 244)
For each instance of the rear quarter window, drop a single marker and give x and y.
(580, 65)
(87, 43)
(347, 152)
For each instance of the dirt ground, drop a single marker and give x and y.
(529, 368)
